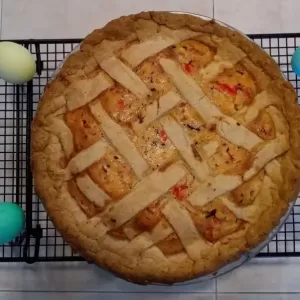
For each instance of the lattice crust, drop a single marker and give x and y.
(166, 147)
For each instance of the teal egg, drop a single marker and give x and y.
(296, 61)
(11, 221)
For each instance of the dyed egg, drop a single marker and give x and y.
(11, 221)
(296, 61)
(16, 63)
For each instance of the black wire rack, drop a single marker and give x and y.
(40, 241)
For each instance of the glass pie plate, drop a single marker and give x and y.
(253, 252)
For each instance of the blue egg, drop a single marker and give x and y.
(11, 221)
(296, 61)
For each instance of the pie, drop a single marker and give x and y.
(166, 147)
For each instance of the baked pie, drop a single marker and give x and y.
(166, 147)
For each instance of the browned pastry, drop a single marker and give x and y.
(166, 147)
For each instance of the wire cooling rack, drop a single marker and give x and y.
(40, 241)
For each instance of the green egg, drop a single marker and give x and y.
(11, 221)
(17, 65)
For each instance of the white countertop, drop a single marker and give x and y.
(265, 279)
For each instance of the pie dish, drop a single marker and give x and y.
(166, 147)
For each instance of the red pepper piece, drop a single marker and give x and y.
(179, 191)
(121, 104)
(188, 68)
(163, 136)
(231, 90)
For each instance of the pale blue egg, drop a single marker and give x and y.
(11, 221)
(296, 61)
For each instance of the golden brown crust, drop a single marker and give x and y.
(84, 234)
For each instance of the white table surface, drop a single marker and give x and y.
(265, 279)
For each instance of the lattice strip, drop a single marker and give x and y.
(154, 255)
(183, 144)
(125, 76)
(120, 140)
(59, 128)
(189, 89)
(267, 195)
(210, 148)
(227, 56)
(94, 228)
(136, 53)
(144, 193)
(51, 106)
(280, 123)
(243, 213)
(114, 245)
(87, 157)
(261, 101)
(84, 91)
(266, 154)
(273, 148)
(214, 187)
(91, 190)
(273, 170)
(107, 48)
(157, 109)
(161, 231)
(237, 134)
(138, 245)
(184, 227)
